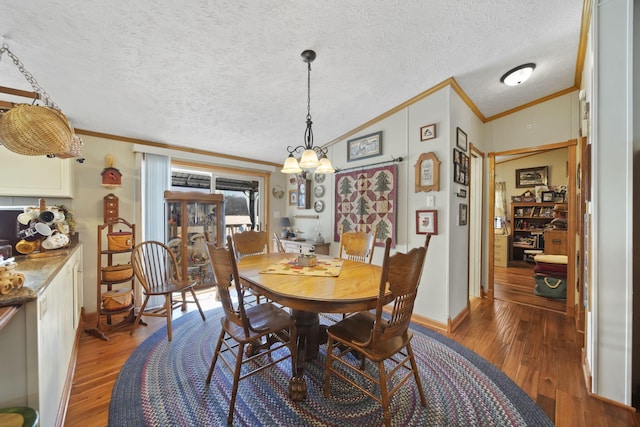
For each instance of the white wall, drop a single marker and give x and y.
(612, 199)
(546, 123)
(464, 118)
(444, 286)
(89, 193)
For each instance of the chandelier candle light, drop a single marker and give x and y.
(312, 157)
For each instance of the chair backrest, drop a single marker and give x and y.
(279, 243)
(402, 273)
(225, 271)
(154, 264)
(357, 245)
(251, 243)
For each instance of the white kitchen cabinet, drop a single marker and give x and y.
(36, 346)
(36, 176)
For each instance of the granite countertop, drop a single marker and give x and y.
(38, 270)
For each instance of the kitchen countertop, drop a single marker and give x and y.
(38, 270)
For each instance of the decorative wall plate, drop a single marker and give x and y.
(318, 178)
(318, 206)
(277, 191)
(319, 191)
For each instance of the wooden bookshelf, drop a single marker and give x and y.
(528, 222)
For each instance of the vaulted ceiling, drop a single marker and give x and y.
(226, 75)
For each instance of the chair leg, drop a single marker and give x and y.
(327, 369)
(236, 380)
(139, 316)
(416, 374)
(195, 299)
(215, 355)
(384, 393)
(168, 304)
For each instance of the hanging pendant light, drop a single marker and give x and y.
(312, 157)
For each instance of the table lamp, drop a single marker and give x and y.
(285, 224)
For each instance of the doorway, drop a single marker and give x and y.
(509, 278)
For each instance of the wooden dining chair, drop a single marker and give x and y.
(156, 268)
(357, 245)
(249, 243)
(279, 244)
(263, 328)
(381, 339)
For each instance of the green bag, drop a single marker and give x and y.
(550, 287)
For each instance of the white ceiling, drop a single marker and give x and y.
(226, 75)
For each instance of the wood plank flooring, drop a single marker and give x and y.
(515, 284)
(537, 349)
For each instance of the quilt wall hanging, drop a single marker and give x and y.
(367, 198)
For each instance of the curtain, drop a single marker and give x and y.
(500, 208)
(156, 178)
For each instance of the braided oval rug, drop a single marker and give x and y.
(163, 384)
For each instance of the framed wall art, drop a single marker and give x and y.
(460, 167)
(427, 222)
(364, 147)
(304, 192)
(463, 214)
(293, 198)
(530, 177)
(547, 196)
(461, 139)
(428, 132)
(427, 173)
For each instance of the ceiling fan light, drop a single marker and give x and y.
(291, 165)
(518, 75)
(309, 159)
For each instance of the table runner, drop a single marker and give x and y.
(324, 267)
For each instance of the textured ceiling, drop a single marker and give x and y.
(226, 75)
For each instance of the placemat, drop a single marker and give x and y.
(325, 267)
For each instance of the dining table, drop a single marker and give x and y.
(354, 289)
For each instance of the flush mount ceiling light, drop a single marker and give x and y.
(312, 157)
(518, 75)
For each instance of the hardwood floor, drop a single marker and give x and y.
(537, 349)
(515, 284)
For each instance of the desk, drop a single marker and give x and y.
(355, 289)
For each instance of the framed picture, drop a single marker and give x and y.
(428, 132)
(530, 177)
(304, 192)
(460, 167)
(364, 146)
(547, 196)
(461, 139)
(427, 173)
(463, 212)
(462, 192)
(293, 198)
(427, 222)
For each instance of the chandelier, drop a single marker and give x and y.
(312, 157)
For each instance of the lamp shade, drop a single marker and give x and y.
(309, 159)
(325, 166)
(284, 222)
(291, 165)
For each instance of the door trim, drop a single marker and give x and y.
(571, 205)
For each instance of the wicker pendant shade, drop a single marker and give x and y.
(35, 130)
